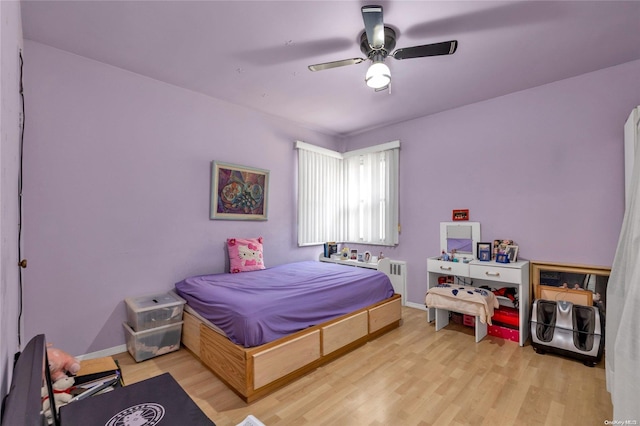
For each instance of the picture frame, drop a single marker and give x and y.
(354, 254)
(579, 284)
(238, 192)
(484, 252)
(512, 252)
(500, 246)
(460, 214)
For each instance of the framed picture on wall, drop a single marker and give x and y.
(460, 214)
(238, 192)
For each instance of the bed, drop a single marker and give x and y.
(260, 330)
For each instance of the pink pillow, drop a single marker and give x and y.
(245, 254)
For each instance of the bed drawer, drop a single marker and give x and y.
(496, 273)
(271, 364)
(383, 315)
(343, 332)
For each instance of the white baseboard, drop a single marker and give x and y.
(416, 306)
(105, 352)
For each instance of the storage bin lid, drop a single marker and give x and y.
(154, 301)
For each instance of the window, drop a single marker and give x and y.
(350, 197)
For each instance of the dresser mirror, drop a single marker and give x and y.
(579, 284)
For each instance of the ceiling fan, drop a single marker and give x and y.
(376, 42)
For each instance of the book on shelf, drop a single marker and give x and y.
(97, 370)
(330, 248)
(98, 386)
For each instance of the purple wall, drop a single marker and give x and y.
(117, 183)
(116, 198)
(543, 167)
(10, 119)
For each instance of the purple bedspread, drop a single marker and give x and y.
(257, 307)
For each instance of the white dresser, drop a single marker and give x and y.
(492, 274)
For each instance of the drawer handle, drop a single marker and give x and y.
(448, 268)
(493, 274)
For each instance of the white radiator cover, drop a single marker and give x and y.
(397, 272)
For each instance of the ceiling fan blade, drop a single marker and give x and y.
(335, 64)
(373, 25)
(435, 49)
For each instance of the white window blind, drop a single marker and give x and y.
(320, 197)
(351, 197)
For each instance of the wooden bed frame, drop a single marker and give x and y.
(253, 373)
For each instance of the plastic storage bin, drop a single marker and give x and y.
(147, 344)
(155, 310)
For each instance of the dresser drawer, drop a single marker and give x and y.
(448, 268)
(494, 272)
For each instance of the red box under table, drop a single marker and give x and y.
(506, 315)
(469, 320)
(503, 332)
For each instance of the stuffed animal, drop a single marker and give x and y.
(61, 395)
(61, 363)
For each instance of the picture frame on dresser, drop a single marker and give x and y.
(500, 246)
(484, 252)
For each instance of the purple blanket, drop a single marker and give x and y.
(257, 307)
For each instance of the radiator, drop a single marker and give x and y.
(397, 272)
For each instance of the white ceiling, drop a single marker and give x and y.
(256, 53)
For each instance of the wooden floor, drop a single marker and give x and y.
(410, 376)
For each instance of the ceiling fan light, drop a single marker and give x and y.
(378, 75)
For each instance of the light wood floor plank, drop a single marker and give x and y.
(410, 376)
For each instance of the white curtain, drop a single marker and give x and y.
(622, 333)
(320, 196)
(350, 197)
(372, 197)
